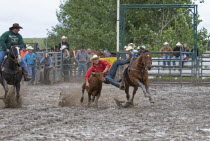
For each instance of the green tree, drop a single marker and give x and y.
(93, 23)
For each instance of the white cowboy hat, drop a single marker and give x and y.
(143, 47)
(125, 46)
(132, 45)
(29, 47)
(166, 43)
(63, 37)
(63, 47)
(94, 57)
(129, 48)
(178, 44)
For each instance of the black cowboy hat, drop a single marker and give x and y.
(15, 25)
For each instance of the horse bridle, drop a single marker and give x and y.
(16, 56)
(14, 60)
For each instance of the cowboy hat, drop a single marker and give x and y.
(125, 47)
(129, 48)
(63, 47)
(166, 43)
(15, 25)
(143, 47)
(132, 45)
(178, 44)
(63, 37)
(29, 47)
(94, 57)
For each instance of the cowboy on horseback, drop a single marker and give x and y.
(8, 39)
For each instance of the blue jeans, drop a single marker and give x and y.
(111, 74)
(174, 62)
(31, 72)
(164, 62)
(3, 54)
(81, 67)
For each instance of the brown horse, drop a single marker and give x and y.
(136, 75)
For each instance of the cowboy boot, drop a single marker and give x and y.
(122, 86)
(26, 76)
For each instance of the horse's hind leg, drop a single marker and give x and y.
(134, 92)
(127, 92)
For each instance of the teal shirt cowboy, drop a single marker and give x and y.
(9, 37)
(29, 58)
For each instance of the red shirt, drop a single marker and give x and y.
(102, 64)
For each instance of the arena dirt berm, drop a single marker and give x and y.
(179, 114)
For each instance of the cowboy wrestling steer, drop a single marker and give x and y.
(94, 89)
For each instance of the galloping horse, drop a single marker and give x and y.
(136, 75)
(11, 72)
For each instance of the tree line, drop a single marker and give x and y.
(93, 23)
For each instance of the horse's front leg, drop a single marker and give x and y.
(17, 91)
(146, 91)
(143, 88)
(150, 97)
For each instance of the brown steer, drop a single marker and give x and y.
(94, 89)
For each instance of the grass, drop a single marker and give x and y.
(40, 41)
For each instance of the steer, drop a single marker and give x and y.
(94, 89)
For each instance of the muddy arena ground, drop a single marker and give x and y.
(54, 113)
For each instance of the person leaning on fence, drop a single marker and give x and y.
(29, 60)
(177, 54)
(185, 55)
(9, 38)
(82, 60)
(90, 54)
(63, 43)
(65, 58)
(47, 62)
(166, 56)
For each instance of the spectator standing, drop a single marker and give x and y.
(23, 52)
(65, 58)
(166, 56)
(177, 54)
(90, 54)
(63, 43)
(47, 62)
(82, 60)
(29, 60)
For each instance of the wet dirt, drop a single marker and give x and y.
(54, 113)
